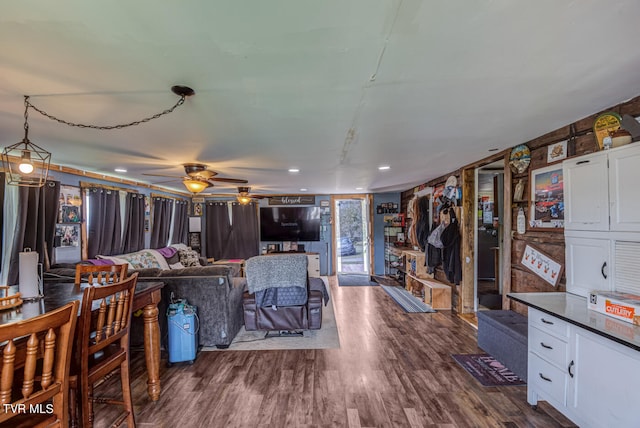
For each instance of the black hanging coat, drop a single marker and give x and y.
(451, 261)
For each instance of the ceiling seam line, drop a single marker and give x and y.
(351, 133)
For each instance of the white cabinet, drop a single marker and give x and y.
(590, 379)
(313, 265)
(602, 191)
(624, 189)
(547, 360)
(602, 220)
(586, 192)
(588, 263)
(604, 388)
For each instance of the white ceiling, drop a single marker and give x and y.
(335, 88)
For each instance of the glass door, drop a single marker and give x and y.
(351, 231)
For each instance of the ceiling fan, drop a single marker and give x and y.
(199, 178)
(244, 197)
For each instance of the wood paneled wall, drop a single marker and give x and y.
(581, 140)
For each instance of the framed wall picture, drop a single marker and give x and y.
(557, 151)
(67, 235)
(547, 198)
(70, 214)
(197, 209)
(542, 265)
(70, 205)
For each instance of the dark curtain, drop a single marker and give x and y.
(133, 238)
(35, 226)
(180, 225)
(243, 241)
(217, 229)
(161, 226)
(2, 185)
(104, 234)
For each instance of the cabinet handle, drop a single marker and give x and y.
(582, 161)
(546, 321)
(543, 377)
(604, 265)
(544, 345)
(571, 364)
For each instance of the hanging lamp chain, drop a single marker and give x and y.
(107, 127)
(26, 118)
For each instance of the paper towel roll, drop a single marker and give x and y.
(32, 309)
(28, 271)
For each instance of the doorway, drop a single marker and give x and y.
(352, 234)
(488, 236)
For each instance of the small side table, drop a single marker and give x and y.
(236, 264)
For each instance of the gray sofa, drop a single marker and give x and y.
(213, 289)
(216, 293)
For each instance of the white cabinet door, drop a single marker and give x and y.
(604, 389)
(588, 263)
(624, 188)
(313, 265)
(586, 192)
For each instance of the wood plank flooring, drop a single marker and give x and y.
(393, 369)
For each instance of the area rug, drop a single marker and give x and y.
(325, 338)
(351, 279)
(406, 300)
(487, 370)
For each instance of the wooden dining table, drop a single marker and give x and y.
(146, 298)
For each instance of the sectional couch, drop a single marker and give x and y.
(215, 289)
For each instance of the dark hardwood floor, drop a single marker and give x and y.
(393, 369)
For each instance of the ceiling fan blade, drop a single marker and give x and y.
(229, 180)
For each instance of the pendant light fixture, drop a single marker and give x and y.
(26, 164)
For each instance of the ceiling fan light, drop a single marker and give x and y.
(243, 199)
(195, 186)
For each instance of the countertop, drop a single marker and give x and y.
(573, 309)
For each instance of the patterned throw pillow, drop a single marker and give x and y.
(189, 258)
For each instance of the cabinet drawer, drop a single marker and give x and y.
(548, 323)
(547, 346)
(547, 380)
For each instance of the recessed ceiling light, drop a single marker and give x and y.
(384, 167)
(294, 170)
(303, 189)
(120, 170)
(359, 188)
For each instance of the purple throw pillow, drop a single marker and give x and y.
(100, 262)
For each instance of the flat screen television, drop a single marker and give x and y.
(290, 223)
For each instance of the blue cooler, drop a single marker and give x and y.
(182, 319)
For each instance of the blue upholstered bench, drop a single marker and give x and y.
(504, 335)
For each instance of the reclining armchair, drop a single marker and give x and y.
(281, 296)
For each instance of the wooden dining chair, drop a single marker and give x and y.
(101, 274)
(102, 347)
(36, 356)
